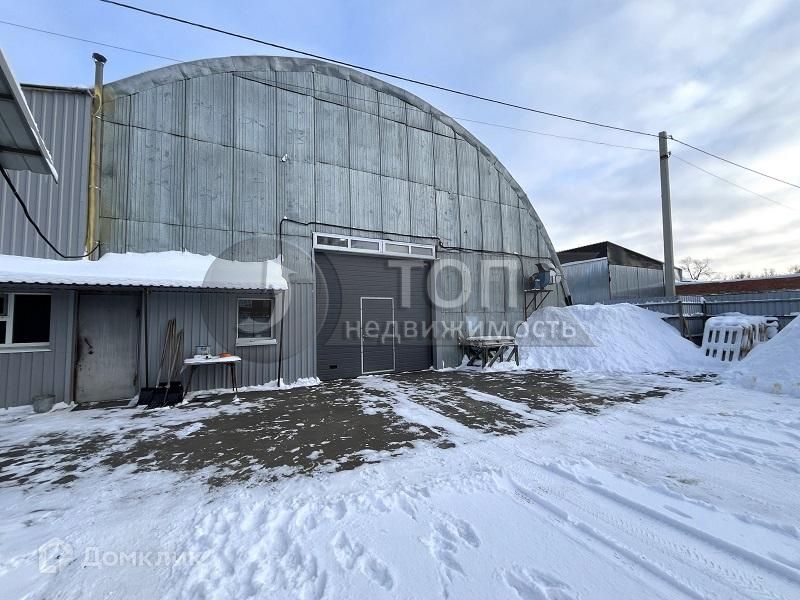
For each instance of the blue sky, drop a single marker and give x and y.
(721, 75)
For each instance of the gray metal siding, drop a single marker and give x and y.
(588, 281)
(268, 137)
(59, 209)
(24, 375)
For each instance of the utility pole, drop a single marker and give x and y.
(666, 215)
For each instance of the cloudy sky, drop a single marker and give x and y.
(721, 75)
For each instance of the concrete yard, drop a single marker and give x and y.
(260, 436)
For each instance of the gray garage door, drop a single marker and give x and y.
(373, 315)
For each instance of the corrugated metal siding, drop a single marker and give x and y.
(59, 209)
(629, 282)
(385, 162)
(209, 318)
(588, 281)
(24, 375)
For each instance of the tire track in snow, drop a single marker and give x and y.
(640, 523)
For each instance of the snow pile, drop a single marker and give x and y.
(168, 269)
(605, 338)
(772, 366)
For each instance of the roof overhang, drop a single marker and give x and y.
(21, 146)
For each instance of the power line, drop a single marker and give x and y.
(553, 135)
(370, 70)
(305, 88)
(35, 226)
(80, 39)
(735, 164)
(749, 191)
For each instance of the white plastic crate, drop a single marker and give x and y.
(731, 337)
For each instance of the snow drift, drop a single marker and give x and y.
(606, 338)
(772, 366)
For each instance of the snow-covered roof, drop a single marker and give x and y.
(150, 269)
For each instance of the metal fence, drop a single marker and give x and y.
(688, 314)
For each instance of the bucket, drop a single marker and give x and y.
(43, 403)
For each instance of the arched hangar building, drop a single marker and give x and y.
(383, 210)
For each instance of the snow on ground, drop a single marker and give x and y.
(606, 338)
(772, 366)
(691, 495)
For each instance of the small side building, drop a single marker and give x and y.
(606, 271)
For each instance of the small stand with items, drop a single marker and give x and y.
(203, 358)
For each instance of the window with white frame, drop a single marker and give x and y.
(24, 320)
(346, 243)
(254, 321)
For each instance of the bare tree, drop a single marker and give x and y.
(771, 272)
(742, 275)
(697, 268)
(794, 269)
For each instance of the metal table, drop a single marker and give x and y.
(228, 361)
(489, 348)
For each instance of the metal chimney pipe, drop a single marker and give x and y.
(92, 210)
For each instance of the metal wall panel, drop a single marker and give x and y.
(445, 173)
(330, 89)
(250, 247)
(209, 186)
(421, 119)
(529, 233)
(332, 141)
(160, 108)
(467, 156)
(114, 171)
(255, 112)
(365, 200)
(362, 98)
(392, 108)
(507, 194)
(492, 226)
(423, 209)
(209, 108)
(509, 216)
(295, 191)
(489, 180)
(471, 222)
(588, 281)
(201, 240)
(24, 375)
(295, 126)
(255, 187)
(156, 170)
(396, 206)
(58, 208)
(365, 147)
(333, 195)
(394, 149)
(144, 236)
(448, 222)
(299, 340)
(420, 156)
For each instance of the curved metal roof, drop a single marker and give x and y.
(210, 66)
(21, 146)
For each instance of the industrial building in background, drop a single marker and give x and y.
(380, 209)
(606, 271)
